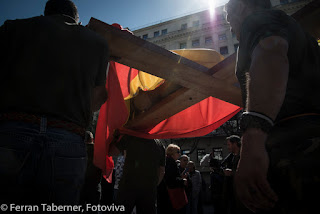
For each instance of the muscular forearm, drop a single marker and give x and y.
(268, 76)
(267, 83)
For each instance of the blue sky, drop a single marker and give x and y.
(129, 13)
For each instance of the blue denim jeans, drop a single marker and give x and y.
(39, 164)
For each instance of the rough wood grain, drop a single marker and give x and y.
(132, 51)
(165, 105)
(177, 94)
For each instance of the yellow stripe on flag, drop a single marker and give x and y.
(147, 82)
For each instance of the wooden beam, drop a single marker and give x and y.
(132, 51)
(171, 98)
(180, 99)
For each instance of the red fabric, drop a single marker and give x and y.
(125, 76)
(197, 120)
(113, 114)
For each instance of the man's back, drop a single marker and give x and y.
(50, 66)
(53, 71)
(141, 173)
(144, 157)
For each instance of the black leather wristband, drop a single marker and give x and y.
(250, 121)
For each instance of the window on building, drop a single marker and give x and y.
(145, 36)
(195, 23)
(224, 50)
(236, 47)
(222, 37)
(185, 152)
(284, 1)
(183, 45)
(156, 34)
(217, 153)
(196, 43)
(200, 154)
(164, 32)
(184, 26)
(208, 40)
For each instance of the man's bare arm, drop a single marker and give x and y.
(267, 82)
(268, 76)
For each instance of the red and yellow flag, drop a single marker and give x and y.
(123, 83)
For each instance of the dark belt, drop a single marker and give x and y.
(297, 116)
(54, 123)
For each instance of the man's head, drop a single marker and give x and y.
(233, 143)
(62, 7)
(191, 166)
(184, 159)
(238, 10)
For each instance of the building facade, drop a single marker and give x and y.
(204, 29)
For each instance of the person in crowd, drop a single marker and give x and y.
(233, 145)
(184, 159)
(172, 179)
(202, 195)
(281, 118)
(196, 187)
(107, 191)
(216, 185)
(205, 160)
(53, 74)
(118, 171)
(143, 170)
(184, 171)
(178, 163)
(90, 193)
(226, 163)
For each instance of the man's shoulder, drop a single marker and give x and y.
(98, 38)
(22, 21)
(264, 16)
(263, 24)
(265, 20)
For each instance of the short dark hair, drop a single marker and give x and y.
(65, 7)
(263, 4)
(235, 139)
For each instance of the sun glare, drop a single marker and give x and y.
(212, 6)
